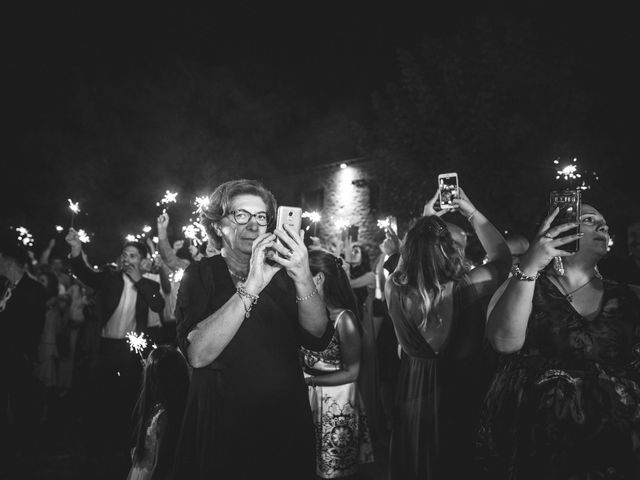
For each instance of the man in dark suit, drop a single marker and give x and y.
(22, 314)
(124, 298)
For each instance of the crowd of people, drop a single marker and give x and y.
(271, 355)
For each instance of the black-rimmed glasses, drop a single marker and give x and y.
(242, 217)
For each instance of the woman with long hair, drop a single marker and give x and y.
(342, 433)
(437, 311)
(160, 407)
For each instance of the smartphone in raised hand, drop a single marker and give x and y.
(448, 190)
(568, 203)
(289, 216)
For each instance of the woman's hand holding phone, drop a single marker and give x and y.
(293, 254)
(429, 207)
(547, 245)
(463, 204)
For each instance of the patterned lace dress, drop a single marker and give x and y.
(343, 440)
(567, 405)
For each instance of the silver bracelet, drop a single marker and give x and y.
(520, 275)
(302, 299)
(253, 299)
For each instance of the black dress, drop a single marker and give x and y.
(567, 405)
(247, 413)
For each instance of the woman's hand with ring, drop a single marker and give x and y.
(293, 255)
(547, 245)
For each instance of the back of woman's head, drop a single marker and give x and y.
(336, 289)
(429, 259)
(166, 382)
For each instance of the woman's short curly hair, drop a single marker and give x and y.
(220, 202)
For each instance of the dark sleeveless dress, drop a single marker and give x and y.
(567, 405)
(247, 414)
(439, 394)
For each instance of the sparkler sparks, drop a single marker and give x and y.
(314, 217)
(195, 232)
(177, 275)
(384, 224)
(571, 173)
(130, 238)
(83, 236)
(74, 207)
(24, 236)
(59, 228)
(201, 203)
(137, 343)
(169, 197)
(342, 223)
(146, 229)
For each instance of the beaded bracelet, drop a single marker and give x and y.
(253, 299)
(520, 275)
(302, 299)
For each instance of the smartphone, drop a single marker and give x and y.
(448, 189)
(289, 216)
(568, 202)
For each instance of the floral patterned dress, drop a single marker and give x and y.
(567, 405)
(343, 441)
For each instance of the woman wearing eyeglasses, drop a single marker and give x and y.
(242, 316)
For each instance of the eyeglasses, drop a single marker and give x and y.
(242, 217)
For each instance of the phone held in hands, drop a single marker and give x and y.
(350, 233)
(289, 216)
(448, 190)
(568, 203)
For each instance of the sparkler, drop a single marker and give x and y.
(83, 236)
(75, 209)
(342, 223)
(571, 173)
(195, 232)
(130, 238)
(138, 343)
(384, 224)
(314, 217)
(201, 203)
(59, 228)
(169, 197)
(177, 275)
(146, 229)
(24, 236)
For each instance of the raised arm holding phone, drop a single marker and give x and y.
(564, 401)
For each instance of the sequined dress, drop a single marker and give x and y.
(567, 405)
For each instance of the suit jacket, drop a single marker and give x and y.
(109, 285)
(22, 320)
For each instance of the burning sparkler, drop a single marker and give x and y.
(169, 197)
(201, 204)
(195, 232)
(314, 217)
(130, 238)
(83, 236)
(24, 236)
(59, 228)
(177, 275)
(342, 224)
(146, 229)
(571, 173)
(138, 343)
(75, 209)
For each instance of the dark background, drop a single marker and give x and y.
(111, 105)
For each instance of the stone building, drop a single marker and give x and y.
(345, 193)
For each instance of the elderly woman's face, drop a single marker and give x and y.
(236, 237)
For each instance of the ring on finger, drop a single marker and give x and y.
(289, 253)
(546, 234)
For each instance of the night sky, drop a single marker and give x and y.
(112, 105)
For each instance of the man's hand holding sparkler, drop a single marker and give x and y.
(73, 239)
(163, 224)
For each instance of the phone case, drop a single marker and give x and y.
(290, 216)
(568, 203)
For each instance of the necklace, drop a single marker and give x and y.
(239, 277)
(569, 295)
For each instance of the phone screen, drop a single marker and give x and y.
(568, 203)
(448, 189)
